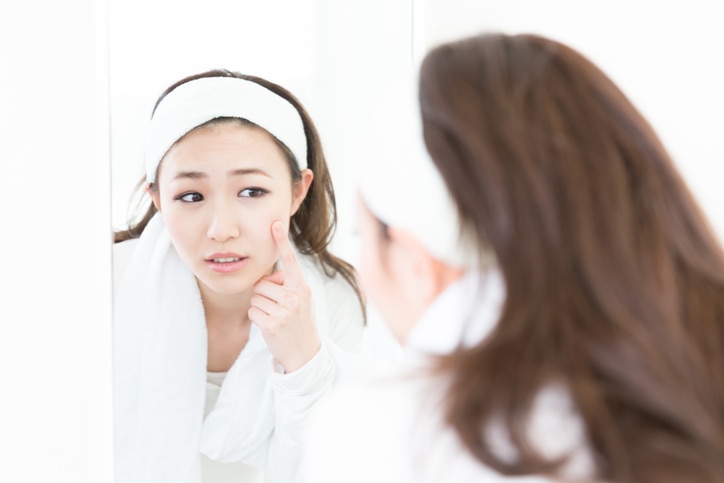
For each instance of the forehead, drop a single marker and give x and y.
(226, 145)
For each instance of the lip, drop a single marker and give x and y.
(227, 266)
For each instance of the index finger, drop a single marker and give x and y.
(292, 273)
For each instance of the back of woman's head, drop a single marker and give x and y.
(615, 280)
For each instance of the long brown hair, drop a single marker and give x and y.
(614, 278)
(312, 226)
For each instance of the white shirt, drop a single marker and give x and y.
(214, 471)
(389, 428)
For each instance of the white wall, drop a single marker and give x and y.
(55, 423)
(666, 56)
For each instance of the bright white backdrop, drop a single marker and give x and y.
(58, 114)
(55, 343)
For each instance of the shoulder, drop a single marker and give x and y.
(419, 445)
(356, 414)
(405, 407)
(339, 289)
(333, 281)
(339, 295)
(557, 430)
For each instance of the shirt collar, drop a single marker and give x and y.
(461, 316)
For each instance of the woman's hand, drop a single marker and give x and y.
(282, 309)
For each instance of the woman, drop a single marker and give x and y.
(582, 339)
(220, 353)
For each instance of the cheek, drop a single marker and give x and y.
(374, 278)
(255, 222)
(386, 286)
(365, 266)
(256, 235)
(185, 236)
(275, 207)
(181, 228)
(258, 239)
(365, 277)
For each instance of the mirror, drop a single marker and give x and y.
(336, 56)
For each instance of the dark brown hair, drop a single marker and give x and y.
(614, 279)
(313, 225)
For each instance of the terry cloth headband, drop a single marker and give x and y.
(198, 101)
(402, 187)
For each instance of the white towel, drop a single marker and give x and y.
(160, 357)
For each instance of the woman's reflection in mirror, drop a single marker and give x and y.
(232, 318)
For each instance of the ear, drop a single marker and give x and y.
(300, 189)
(153, 193)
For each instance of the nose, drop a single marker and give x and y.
(223, 225)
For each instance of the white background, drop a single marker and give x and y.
(55, 411)
(61, 120)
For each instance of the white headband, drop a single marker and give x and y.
(402, 187)
(195, 102)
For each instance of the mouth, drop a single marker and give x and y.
(226, 262)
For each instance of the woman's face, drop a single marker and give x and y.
(219, 190)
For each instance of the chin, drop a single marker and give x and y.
(228, 285)
(229, 288)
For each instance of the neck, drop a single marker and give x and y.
(228, 326)
(225, 309)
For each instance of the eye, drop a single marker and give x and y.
(252, 192)
(192, 197)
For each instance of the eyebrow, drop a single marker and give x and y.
(245, 171)
(233, 172)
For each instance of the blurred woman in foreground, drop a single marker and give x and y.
(558, 291)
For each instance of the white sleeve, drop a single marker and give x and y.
(355, 440)
(296, 394)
